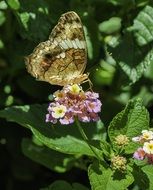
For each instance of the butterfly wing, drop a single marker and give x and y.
(61, 60)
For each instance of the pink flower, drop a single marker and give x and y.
(72, 102)
(49, 118)
(139, 154)
(146, 138)
(92, 95)
(50, 107)
(66, 120)
(94, 116)
(93, 106)
(150, 158)
(84, 117)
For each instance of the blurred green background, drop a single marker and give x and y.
(119, 35)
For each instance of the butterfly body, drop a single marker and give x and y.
(61, 60)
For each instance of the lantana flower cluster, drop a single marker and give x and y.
(72, 102)
(146, 150)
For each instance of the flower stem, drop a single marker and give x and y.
(85, 138)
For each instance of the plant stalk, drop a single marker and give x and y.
(85, 138)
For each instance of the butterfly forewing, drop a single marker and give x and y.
(61, 60)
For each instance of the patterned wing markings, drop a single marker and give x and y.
(61, 60)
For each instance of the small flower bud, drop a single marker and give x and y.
(121, 140)
(118, 163)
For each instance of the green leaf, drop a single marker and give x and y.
(143, 26)
(130, 122)
(91, 34)
(3, 5)
(110, 26)
(129, 4)
(34, 21)
(2, 17)
(43, 155)
(120, 2)
(67, 144)
(78, 186)
(139, 174)
(1, 44)
(148, 170)
(14, 4)
(104, 74)
(24, 18)
(103, 178)
(64, 139)
(132, 59)
(149, 71)
(145, 94)
(58, 185)
(63, 185)
(106, 148)
(89, 43)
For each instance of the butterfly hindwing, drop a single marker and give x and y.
(61, 60)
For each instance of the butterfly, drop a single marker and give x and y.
(61, 60)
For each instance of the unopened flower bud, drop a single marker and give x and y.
(121, 140)
(118, 163)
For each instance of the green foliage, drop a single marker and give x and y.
(110, 26)
(63, 139)
(119, 37)
(41, 154)
(104, 178)
(14, 4)
(62, 185)
(143, 26)
(132, 59)
(148, 171)
(130, 122)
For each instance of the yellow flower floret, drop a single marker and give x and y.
(59, 111)
(148, 147)
(75, 89)
(58, 95)
(147, 135)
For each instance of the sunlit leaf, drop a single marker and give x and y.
(104, 178)
(14, 4)
(130, 122)
(3, 5)
(132, 59)
(143, 26)
(110, 26)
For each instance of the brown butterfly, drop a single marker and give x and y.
(61, 60)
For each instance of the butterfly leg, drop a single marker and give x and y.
(90, 84)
